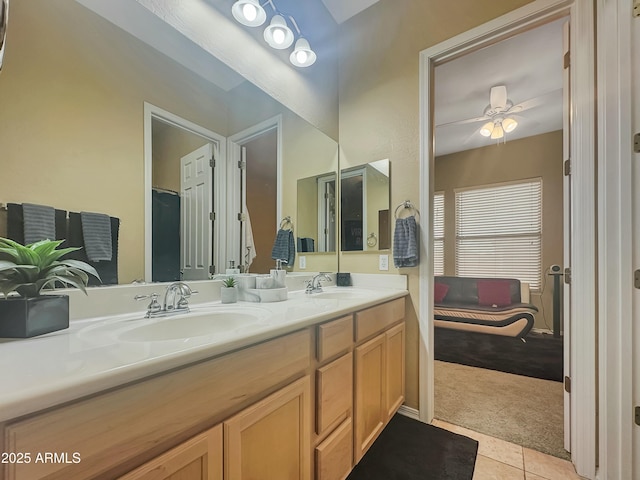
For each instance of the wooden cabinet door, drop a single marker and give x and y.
(271, 439)
(370, 408)
(199, 458)
(334, 393)
(395, 347)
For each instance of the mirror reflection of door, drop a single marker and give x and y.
(353, 209)
(259, 187)
(327, 214)
(181, 202)
(196, 190)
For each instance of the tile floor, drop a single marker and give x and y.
(500, 460)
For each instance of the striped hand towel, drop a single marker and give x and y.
(406, 251)
(39, 223)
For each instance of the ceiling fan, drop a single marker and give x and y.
(499, 114)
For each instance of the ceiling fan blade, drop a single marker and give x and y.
(463, 122)
(555, 95)
(498, 97)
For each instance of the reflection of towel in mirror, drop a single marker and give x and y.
(249, 244)
(96, 231)
(405, 243)
(284, 247)
(39, 223)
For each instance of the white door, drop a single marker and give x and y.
(566, 294)
(196, 187)
(635, 98)
(327, 214)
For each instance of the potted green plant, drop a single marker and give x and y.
(25, 271)
(229, 290)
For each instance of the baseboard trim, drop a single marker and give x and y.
(546, 331)
(409, 412)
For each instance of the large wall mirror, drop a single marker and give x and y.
(73, 90)
(364, 207)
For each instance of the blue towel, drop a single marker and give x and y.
(39, 223)
(284, 247)
(96, 231)
(406, 252)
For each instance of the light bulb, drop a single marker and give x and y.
(278, 35)
(302, 56)
(249, 11)
(486, 129)
(498, 132)
(509, 124)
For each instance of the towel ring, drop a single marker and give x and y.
(372, 240)
(408, 205)
(286, 222)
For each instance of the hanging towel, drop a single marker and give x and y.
(405, 243)
(284, 247)
(96, 231)
(39, 223)
(108, 270)
(249, 245)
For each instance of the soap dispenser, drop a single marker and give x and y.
(278, 274)
(232, 270)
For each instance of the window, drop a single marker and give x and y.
(438, 233)
(498, 232)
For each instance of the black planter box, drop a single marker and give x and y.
(28, 317)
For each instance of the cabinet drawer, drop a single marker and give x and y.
(334, 337)
(376, 319)
(115, 431)
(334, 392)
(334, 456)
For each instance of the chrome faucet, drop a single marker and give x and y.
(175, 300)
(314, 286)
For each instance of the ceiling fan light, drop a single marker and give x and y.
(278, 35)
(509, 124)
(249, 13)
(486, 129)
(302, 55)
(497, 132)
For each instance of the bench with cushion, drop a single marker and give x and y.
(487, 305)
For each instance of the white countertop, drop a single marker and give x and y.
(89, 357)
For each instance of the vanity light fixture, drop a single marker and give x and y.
(277, 34)
(249, 13)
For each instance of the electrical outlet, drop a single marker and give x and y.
(383, 262)
(303, 262)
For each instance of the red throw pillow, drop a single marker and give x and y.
(494, 293)
(439, 292)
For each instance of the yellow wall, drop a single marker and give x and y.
(539, 156)
(379, 106)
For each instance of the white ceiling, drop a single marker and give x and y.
(342, 10)
(529, 65)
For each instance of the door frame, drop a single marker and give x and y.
(583, 128)
(615, 73)
(219, 143)
(234, 200)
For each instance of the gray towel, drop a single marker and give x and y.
(96, 231)
(39, 223)
(284, 247)
(405, 243)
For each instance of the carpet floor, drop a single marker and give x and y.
(540, 357)
(521, 410)
(411, 450)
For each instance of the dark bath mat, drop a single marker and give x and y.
(411, 450)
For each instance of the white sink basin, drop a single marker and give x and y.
(180, 327)
(340, 293)
(219, 320)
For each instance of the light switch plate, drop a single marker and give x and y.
(303, 262)
(383, 262)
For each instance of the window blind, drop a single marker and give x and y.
(438, 234)
(498, 232)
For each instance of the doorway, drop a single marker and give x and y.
(498, 176)
(582, 298)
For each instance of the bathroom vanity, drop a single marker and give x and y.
(301, 396)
